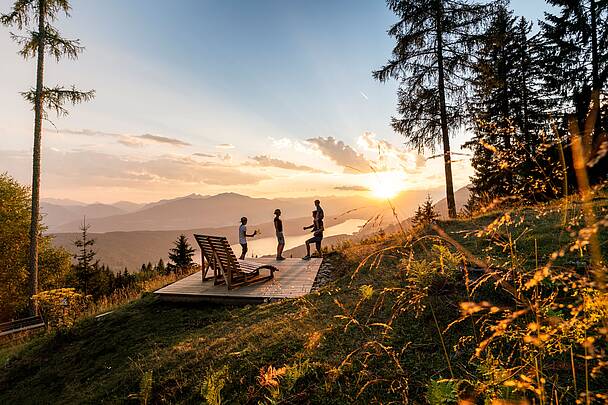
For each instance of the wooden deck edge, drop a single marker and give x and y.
(215, 299)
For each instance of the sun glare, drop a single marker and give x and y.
(387, 184)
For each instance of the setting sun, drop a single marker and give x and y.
(387, 184)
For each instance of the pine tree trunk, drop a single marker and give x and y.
(595, 69)
(505, 107)
(524, 88)
(34, 225)
(447, 156)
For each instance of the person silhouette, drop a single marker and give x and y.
(278, 227)
(320, 213)
(317, 229)
(243, 237)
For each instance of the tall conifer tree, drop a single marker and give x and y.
(41, 38)
(180, 256)
(508, 114)
(576, 46)
(432, 60)
(86, 265)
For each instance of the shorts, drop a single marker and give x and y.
(280, 238)
(315, 239)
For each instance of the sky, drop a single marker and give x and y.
(266, 98)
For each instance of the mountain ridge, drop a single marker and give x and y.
(217, 211)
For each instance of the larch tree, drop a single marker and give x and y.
(33, 19)
(432, 60)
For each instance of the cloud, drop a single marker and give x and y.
(342, 154)
(267, 161)
(126, 139)
(295, 144)
(351, 188)
(91, 168)
(163, 139)
(389, 156)
(225, 157)
(225, 146)
(130, 141)
(281, 143)
(86, 132)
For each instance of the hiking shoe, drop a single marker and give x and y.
(307, 257)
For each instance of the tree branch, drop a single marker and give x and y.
(54, 98)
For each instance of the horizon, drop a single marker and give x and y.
(282, 105)
(69, 201)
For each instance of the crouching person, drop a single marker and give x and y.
(317, 230)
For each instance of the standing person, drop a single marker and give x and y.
(320, 213)
(278, 227)
(317, 229)
(243, 237)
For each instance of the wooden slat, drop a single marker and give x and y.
(227, 268)
(294, 279)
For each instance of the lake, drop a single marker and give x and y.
(268, 245)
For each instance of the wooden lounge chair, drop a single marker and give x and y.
(217, 255)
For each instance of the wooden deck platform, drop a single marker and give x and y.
(294, 279)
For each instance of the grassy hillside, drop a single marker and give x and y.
(388, 329)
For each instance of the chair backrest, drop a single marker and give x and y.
(217, 251)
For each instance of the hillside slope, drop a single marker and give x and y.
(371, 336)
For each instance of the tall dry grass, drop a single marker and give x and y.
(126, 295)
(533, 322)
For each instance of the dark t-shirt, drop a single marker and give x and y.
(318, 228)
(278, 224)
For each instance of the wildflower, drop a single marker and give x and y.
(270, 376)
(314, 339)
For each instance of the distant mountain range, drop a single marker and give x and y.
(55, 216)
(197, 211)
(128, 239)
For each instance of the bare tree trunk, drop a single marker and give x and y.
(447, 156)
(595, 68)
(594, 47)
(34, 224)
(524, 87)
